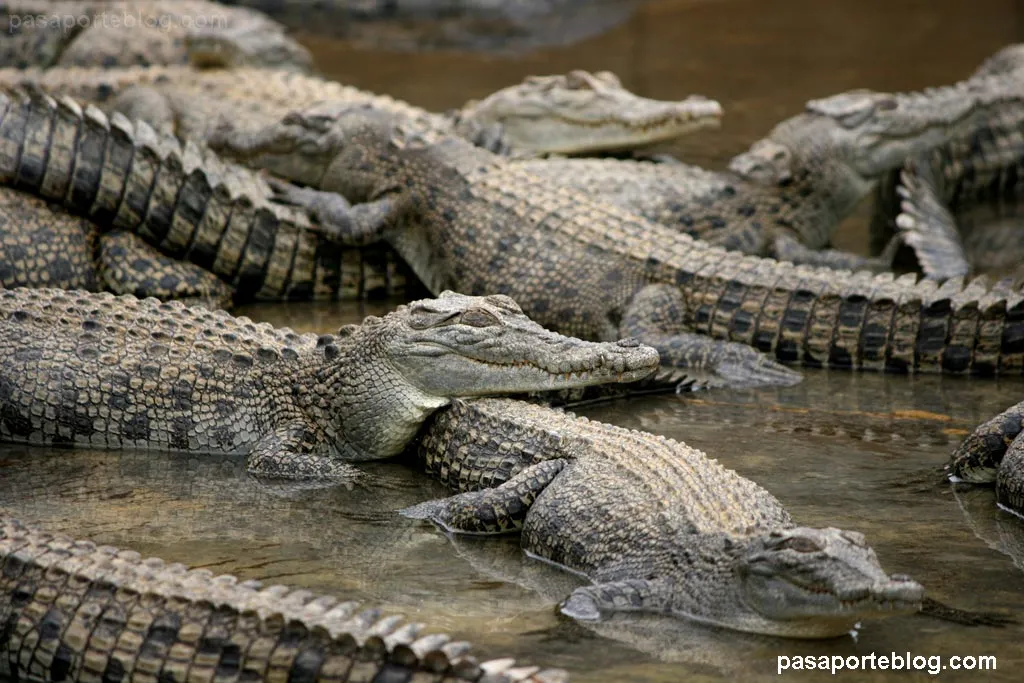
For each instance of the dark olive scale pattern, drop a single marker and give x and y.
(75, 612)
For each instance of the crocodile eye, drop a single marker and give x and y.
(422, 319)
(800, 545)
(478, 317)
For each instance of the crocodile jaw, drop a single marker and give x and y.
(818, 583)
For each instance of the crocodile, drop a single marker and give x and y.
(577, 112)
(86, 369)
(183, 200)
(106, 33)
(994, 452)
(943, 191)
(465, 219)
(42, 245)
(75, 611)
(656, 525)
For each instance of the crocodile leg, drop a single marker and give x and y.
(339, 221)
(1010, 477)
(928, 227)
(491, 511)
(588, 603)
(296, 450)
(788, 248)
(656, 316)
(147, 104)
(128, 265)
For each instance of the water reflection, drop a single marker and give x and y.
(853, 451)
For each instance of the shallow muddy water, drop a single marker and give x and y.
(854, 451)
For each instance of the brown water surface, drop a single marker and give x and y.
(853, 451)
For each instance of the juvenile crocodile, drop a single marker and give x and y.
(994, 452)
(109, 33)
(464, 219)
(42, 245)
(183, 200)
(574, 113)
(74, 611)
(942, 192)
(94, 370)
(656, 525)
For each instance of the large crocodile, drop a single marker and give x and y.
(656, 525)
(42, 245)
(106, 33)
(575, 113)
(994, 452)
(74, 611)
(466, 220)
(183, 200)
(119, 372)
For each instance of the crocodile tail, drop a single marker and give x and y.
(247, 627)
(183, 200)
(822, 317)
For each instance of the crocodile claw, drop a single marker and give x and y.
(738, 366)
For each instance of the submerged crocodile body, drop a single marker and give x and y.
(467, 220)
(74, 611)
(577, 113)
(119, 372)
(107, 33)
(994, 452)
(942, 193)
(656, 525)
(42, 245)
(183, 200)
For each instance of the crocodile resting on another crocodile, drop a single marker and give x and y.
(845, 143)
(465, 219)
(109, 33)
(656, 525)
(74, 611)
(183, 200)
(118, 372)
(994, 452)
(575, 113)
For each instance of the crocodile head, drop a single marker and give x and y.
(582, 112)
(419, 357)
(248, 44)
(458, 345)
(867, 132)
(816, 583)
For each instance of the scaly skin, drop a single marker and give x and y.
(42, 245)
(164, 376)
(186, 202)
(74, 611)
(583, 113)
(465, 219)
(939, 190)
(994, 452)
(577, 112)
(656, 525)
(106, 33)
